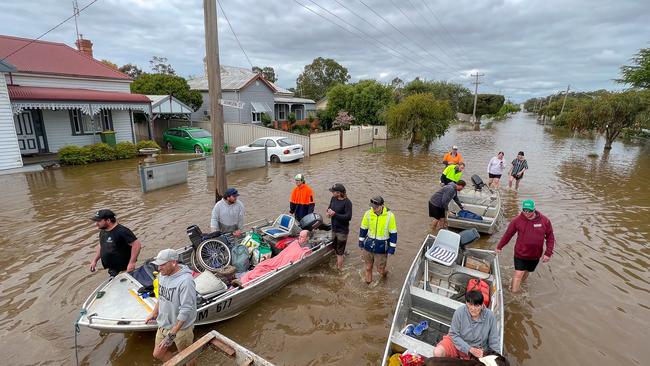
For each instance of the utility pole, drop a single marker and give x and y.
(476, 93)
(214, 87)
(565, 95)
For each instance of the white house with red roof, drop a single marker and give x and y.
(52, 95)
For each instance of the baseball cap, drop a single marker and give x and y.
(231, 192)
(103, 214)
(165, 256)
(338, 187)
(299, 177)
(520, 153)
(528, 205)
(377, 201)
(454, 147)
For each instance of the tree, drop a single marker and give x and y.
(109, 64)
(164, 84)
(159, 65)
(441, 90)
(343, 120)
(363, 100)
(132, 70)
(267, 72)
(609, 114)
(319, 76)
(638, 74)
(485, 104)
(419, 117)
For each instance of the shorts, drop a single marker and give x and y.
(517, 177)
(184, 337)
(526, 264)
(379, 258)
(450, 349)
(339, 240)
(436, 212)
(497, 176)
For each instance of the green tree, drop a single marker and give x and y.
(267, 72)
(363, 100)
(132, 70)
(159, 65)
(164, 84)
(638, 74)
(609, 114)
(319, 76)
(419, 117)
(485, 104)
(441, 90)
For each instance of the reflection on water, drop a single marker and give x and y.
(589, 305)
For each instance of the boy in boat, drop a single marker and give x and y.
(473, 330)
(118, 247)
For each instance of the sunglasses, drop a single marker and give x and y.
(526, 210)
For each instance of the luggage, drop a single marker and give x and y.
(480, 285)
(478, 264)
(240, 259)
(209, 285)
(261, 253)
(469, 215)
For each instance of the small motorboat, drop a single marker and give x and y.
(482, 207)
(435, 287)
(120, 305)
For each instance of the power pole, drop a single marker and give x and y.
(565, 95)
(214, 87)
(476, 93)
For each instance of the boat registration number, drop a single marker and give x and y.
(223, 305)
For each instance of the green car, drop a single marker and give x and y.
(188, 139)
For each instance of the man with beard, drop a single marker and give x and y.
(118, 247)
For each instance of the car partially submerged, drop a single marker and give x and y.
(279, 148)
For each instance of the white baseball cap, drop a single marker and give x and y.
(165, 256)
(454, 147)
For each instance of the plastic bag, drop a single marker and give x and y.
(240, 258)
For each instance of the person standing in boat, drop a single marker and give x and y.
(175, 311)
(340, 211)
(473, 330)
(532, 229)
(228, 214)
(517, 170)
(301, 203)
(495, 169)
(452, 157)
(452, 173)
(439, 202)
(118, 247)
(377, 237)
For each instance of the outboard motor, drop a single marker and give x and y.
(478, 182)
(195, 235)
(311, 222)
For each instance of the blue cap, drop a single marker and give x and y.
(231, 192)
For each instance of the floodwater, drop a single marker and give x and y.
(590, 305)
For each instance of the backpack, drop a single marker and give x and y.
(478, 284)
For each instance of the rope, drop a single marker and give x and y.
(77, 330)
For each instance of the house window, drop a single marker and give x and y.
(257, 117)
(82, 124)
(106, 120)
(281, 113)
(299, 114)
(75, 120)
(91, 125)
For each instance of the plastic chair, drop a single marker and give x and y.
(445, 248)
(282, 227)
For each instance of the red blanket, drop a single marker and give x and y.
(292, 253)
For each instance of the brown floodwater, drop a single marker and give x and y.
(590, 305)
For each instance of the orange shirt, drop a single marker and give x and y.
(302, 195)
(453, 159)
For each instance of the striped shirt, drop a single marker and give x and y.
(518, 166)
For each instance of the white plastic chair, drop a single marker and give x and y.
(445, 248)
(282, 227)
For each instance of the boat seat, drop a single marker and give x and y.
(406, 342)
(445, 248)
(435, 298)
(282, 227)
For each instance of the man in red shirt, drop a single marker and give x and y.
(532, 230)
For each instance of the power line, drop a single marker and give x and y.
(51, 29)
(235, 34)
(453, 39)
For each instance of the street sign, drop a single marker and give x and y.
(231, 103)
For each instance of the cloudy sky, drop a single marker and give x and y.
(525, 48)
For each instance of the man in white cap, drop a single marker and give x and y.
(453, 157)
(175, 311)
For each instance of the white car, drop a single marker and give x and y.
(280, 148)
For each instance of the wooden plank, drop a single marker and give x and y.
(191, 352)
(221, 346)
(247, 362)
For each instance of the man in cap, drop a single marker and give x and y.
(302, 198)
(532, 229)
(452, 157)
(118, 247)
(439, 202)
(519, 166)
(377, 237)
(228, 214)
(175, 311)
(340, 211)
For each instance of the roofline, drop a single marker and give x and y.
(88, 77)
(247, 84)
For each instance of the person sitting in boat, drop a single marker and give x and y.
(452, 157)
(228, 214)
(452, 173)
(473, 330)
(301, 203)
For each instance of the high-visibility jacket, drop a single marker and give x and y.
(452, 174)
(378, 233)
(302, 201)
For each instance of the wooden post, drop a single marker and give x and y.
(214, 86)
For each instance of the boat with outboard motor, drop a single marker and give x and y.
(435, 287)
(120, 305)
(481, 208)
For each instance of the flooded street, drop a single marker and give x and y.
(590, 305)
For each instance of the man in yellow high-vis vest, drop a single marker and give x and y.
(377, 237)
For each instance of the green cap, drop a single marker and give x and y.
(528, 205)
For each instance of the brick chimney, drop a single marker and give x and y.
(85, 46)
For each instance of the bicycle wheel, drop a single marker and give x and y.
(195, 264)
(213, 254)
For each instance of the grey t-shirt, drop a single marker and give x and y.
(228, 217)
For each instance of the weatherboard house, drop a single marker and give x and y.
(246, 95)
(52, 95)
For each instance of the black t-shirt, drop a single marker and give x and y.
(343, 209)
(116, 247)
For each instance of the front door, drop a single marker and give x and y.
(25, 133)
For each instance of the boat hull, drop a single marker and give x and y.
(484, 203)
